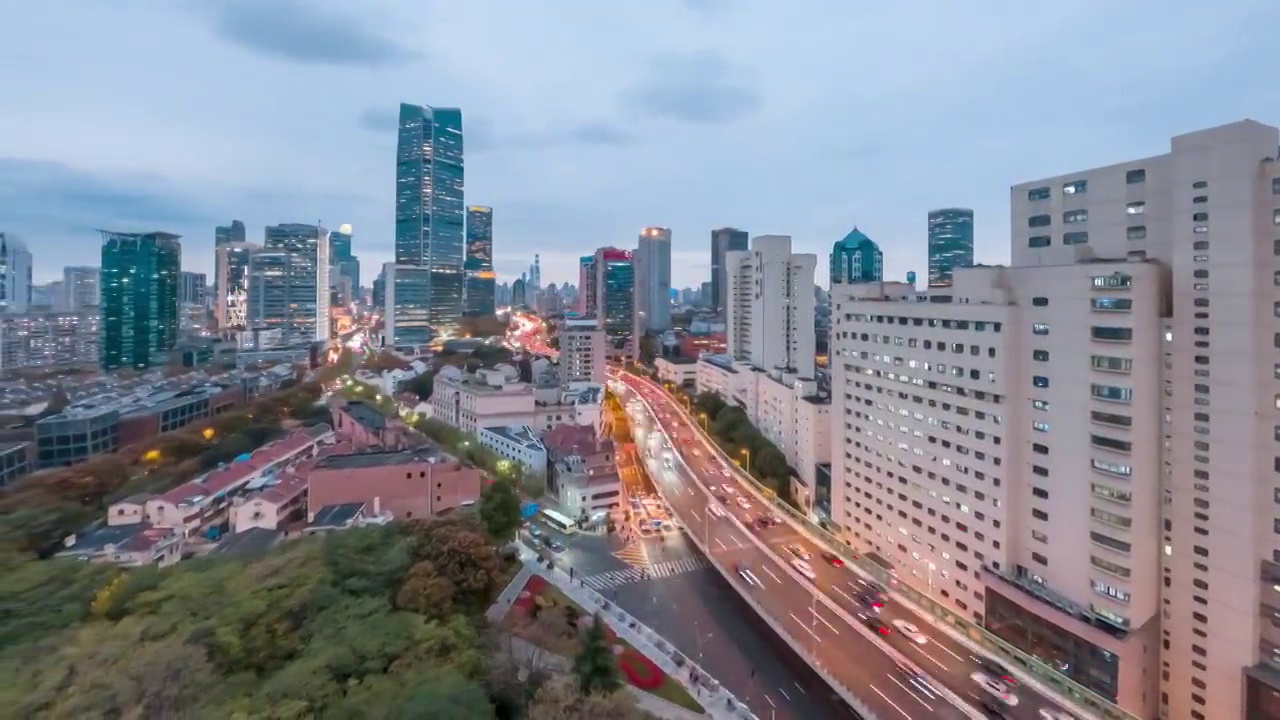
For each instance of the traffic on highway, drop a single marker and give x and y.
(910, 670)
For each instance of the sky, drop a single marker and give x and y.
(585, 121)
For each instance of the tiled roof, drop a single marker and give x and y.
(336, 515)
(238, 472)
(564, 440)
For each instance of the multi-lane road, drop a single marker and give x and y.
(850, 656)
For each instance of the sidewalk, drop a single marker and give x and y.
(718, 702)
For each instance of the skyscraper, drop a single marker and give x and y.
(430, 215)
(722, 241)
(535, 273)
(226, 234)
(341, 257)
(770, 306)
(587, 284)
(191, 290)
(289, 284)
(406, 289)
(856, 259)
(652, 268)
(479, 262)
(139, 298)
(950, 243)
(615, 292)
(519, 293)
(81, 285)
(15, 274)
(231, 283)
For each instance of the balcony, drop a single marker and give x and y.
(1031, 585)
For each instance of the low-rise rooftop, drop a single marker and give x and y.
(381, 459)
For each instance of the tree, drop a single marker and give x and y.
(560, 701)
(595, 667)
(500, 509)
(370, 562)
(422, 385)
(426, 592)
(650, 346)
(771, 463)
(460, 552)
(709, 403)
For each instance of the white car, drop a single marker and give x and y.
(728, 489)
(1047, 714)
(716, 511)
(744, 503)
(799, 552)
(911, 632)
(995, 688)
(748, 576)
(804, 569)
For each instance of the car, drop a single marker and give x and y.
(804, 569)
(535, 531)
(1051, 714)
(556, 546)
(994, 669)
(871, 602)
(728, 489)
(799, 552)
(995, 688)
(716, 511)
(832, 559)
(991, 708)
(747, 576)
(744, 503)
(874, 624)
(911, 632)
(721, 497)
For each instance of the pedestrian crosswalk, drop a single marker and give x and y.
(634, 555)
(614, 578)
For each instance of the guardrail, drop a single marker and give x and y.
(1064, 689)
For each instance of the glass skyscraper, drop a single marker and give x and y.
(289, 284)
(615, 288)
(722, 241)
(430, 215)
(139, 301)
(479, 262)
(950, 243)
(856, 259)
(341, 258)
(407, 289)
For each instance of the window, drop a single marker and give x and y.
(1103, 441)
(1075, 238)
(1039, 221)
(1039, 426)
(1275, 217)
(1200, 217)
(1106, 418)
(1275, 186)
(1107, 566)
(1136, 208)
(1111, 468)
(1114, 280)
(1200, 199)
(1076, 187)
(1112, 592)
(1039, 241)
(1135, 177)
(1200, 245)
(1040, 328)
(1040, 381)
(1040, 193)
(1199, 184)
(1075, 216)
(1044, 301)
(1136, 232)
(1111, 334)
(1040, 404)
(1112, 304)
(1109, 542)
(1200, 274)
(1204, 229)
(1040, 355)
(1111, 393)
(1107, 363)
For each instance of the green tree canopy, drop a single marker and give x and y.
(500, 509)
(595, 667)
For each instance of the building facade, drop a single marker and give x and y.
(856, 258)
(519, 444)
(950, 243)
(430, 214)
(479, 262)
(191, 288)
(231, 283)
(15, 274)
(81, 287)
(615, 292)
(50, 339)
(407, 306)
(342, 258)
(651, 263)
(582, 351)
(771, 306)
(140, 274)
(723, 241)
(587, 284)
(289, 284)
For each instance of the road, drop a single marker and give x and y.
(870, 672)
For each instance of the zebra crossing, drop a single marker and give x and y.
(614, 578)
(634, 554)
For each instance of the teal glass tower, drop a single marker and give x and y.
(479, 262)
(950, 243)
(430, 214)
(856, 259)
(139, 302)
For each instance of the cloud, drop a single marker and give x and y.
(481, 134)
(302, 32)
(700, 88)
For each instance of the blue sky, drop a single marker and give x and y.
(588, 120)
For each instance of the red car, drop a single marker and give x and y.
(833, 559)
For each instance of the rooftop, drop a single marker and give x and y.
(337, 515)
(121, 538)
(679, 360)
(568, 440)
(366, 415)
(355, 461)
(242, 469)
(521, 435)
(253, 540)
(724, 362)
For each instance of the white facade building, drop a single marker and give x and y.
(677, 371)
(517, 443)
(496, 398)
(582, 351)
(652, 263)
(771, 305)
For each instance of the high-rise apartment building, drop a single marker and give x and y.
(950, 243)
(587, 284)
(1126, 535)
(407, 310)
(856, 259)
(81, 287)
(289, 284)
(615, 292)
(771, 306)
(343, 260)
(519, 293)
(479, 262)
(15, 274)
(50, 339)
(139, 298)
(430, 215)
(723, 240)
(191, 288)
(582, 351)
(231, 283)
(652, 265)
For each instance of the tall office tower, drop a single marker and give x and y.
(378, 293)
(535, 273)
(15, 274)
(407, 307)
(615, 292)
(342, 259)
(582, 351)
(229, 234)
(502, 295)
(519, 293)
(289, 284)
(430, 215)
(191, 290)
(769, 295)
(950, 243)
(723, 241)
(139, 298)
(479, 263)
(652, 262)
(587, 284)
(80, 286)
(231, 283)
(856, 259)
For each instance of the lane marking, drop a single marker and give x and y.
(769, 572)
(911, 693)
(947, 650)
(736, 541)
(920, 649)
(823, 620)
(843, 594)
(876, 690)
(766, 697)
(722, 545)
(797, 684)
(806, 627)
(784, 693)
(695, 514)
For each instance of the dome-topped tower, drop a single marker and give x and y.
(856, 258)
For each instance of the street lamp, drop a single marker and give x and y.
(747, 465)
(703, 417)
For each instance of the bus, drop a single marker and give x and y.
(559, 521)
